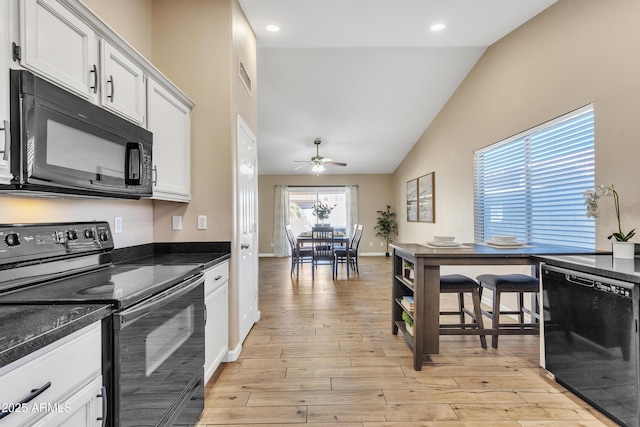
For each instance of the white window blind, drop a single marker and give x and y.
(532, 185)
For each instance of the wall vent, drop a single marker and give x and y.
(244, 76)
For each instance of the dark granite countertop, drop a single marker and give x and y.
(627, 270)
(27, 328)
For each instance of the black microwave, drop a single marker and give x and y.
(63, 144)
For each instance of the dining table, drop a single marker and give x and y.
(425, 284)
(306, 238)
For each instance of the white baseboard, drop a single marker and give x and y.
(232, 355)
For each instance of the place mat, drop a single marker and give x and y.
(506, 246)
(462, 246)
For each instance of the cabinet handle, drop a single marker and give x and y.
(154, 181)
(95, 78)
(105, 406)
(244, 246)
(34, 393)
(218, 277)
(7, 141)
(205, 315)
(110, 81)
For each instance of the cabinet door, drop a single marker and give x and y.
(216, 329)
(5, 176)
(169, 120)
(122, 84)
(58, 45)
(82, 409)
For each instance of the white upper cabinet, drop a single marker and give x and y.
(64, 42)
(170, 122)
(5, 53)
(59, 45)
(123, 90)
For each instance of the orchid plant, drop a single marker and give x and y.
(591, 198)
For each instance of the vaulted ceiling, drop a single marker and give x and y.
(367, 77)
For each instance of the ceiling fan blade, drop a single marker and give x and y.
(303, 166)
(335, 163)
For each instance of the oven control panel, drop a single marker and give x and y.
(24, 242)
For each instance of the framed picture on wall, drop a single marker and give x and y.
(427, 198)
(412, 200)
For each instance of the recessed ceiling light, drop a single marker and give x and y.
(273, 28)
(437, 27)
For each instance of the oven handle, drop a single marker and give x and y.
(127, 316)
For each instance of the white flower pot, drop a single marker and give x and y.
(409, 329)
(624, 250)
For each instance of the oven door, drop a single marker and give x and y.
(159, 356)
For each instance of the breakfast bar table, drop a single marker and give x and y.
(425, 284)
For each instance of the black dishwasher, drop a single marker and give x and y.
(591, 339)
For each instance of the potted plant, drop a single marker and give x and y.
(322, 211)
(408, 269)
(408, 322)
(386, 226)
(622, 248)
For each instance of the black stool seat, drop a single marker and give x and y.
(506, 282)
(514, 283)
(457, 281)
(461, 284)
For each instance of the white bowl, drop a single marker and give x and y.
(504, 239)
(443, 238)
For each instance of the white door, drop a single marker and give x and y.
(246, 228)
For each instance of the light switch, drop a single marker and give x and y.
(177, 222)
(202, 222)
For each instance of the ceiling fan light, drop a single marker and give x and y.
(317, 168)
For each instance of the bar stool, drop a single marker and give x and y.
(513, 283)
(460, 284)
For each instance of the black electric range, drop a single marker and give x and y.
(157, 320)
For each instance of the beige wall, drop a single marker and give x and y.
(197, 44)
(574, 53)
(131, 19)
(192, 47)
(374, 193)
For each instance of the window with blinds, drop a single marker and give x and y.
(531, 185)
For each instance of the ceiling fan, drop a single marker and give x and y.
(318, 162)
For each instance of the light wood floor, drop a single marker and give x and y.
(323, 354)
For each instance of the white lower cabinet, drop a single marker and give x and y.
(68, 374)
(216, 300)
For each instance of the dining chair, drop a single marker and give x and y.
(306, 253)
(322, 245)
(354, 244)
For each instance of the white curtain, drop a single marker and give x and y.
(351, 199)
(280, 220)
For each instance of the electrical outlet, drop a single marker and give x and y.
(370, 243)
(117, 224)
(176, 222)
(202, 222)
(381, 243)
